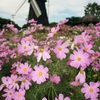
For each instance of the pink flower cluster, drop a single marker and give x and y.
(60, 97)
(83, 56)
(16, 85)
(40, 69)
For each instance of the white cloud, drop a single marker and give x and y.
(54, 7)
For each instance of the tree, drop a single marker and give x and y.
(92, 9)
(73, 21)
(4, 21)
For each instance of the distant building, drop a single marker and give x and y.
(87, 19)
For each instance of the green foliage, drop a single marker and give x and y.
(93, 9)
(53, 24)
(73, 21)
(25, 26)
(6, 69)
(4, 21)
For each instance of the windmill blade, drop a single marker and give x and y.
(35, 8)
(19, 7)
(48, 3)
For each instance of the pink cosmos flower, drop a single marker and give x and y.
(15, 30)
(28, 38)
(6, 82)
(29, 76)
(75, 83)
(96, 56)
(13, 55)
(40, 74)
(98, 34)
(40, 26)
(91, 90)
(44, 98)
(13, 71)
(8, 94)
(2, 39)
(84, 37)
(42, 53)
(90, 31)
(76, 43)
(61, 97)
(32, 48)
(63, 22)
(91, 42)
(1, 33)
(25, 84)
(68, 62)
(81, 76)
(79, 59)
(23, 47)
(11, 26)
(53, 32)
(24, 68)
(61, 49)
(16, 64)
(14, 82)
(97, 25)
(15, 39)
(88, 48)
(3, 54)
(32, 21)
(27, 32)
(96, 66)
(19, 95)
(56, 79)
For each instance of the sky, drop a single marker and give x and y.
(57, 10)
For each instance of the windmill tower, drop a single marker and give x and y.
(37, 11)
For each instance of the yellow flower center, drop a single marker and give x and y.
(54, 32)
(41, 50)
(76, 44)
(86, 48)
(24, 81)
(19, 95)
(82, 39)
(24, 69)
(3, 55)
(18, 64)
(79, 58)
(10, 93)
(81, 71)
(14, 81)
(40, 73)
(28, 39)
(95, 59)
(91, 89)
(4, 85)
(77, 82)
(59, 48)
(95, 75)
(24, 47)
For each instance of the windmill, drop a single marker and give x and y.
(37, 11)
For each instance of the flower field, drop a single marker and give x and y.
(50, 63)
